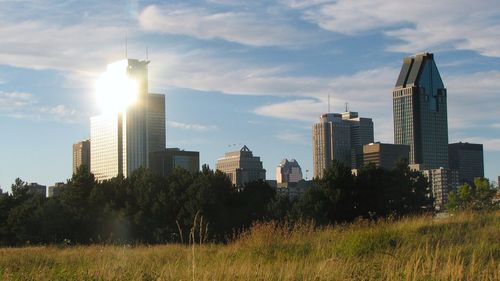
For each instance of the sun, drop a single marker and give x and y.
(115, 91)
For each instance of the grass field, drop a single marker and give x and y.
(462, 247)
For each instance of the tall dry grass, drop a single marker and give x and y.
(462, 247)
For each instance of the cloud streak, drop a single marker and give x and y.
(241, 27)
(418, 25)
(191, 127)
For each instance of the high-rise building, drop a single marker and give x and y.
(164, 162)
(81, 155)
(288, 171)
(241, 166)
(385, 155)
(420, 112)
(340, 137)
(467, 158)
(121, 141)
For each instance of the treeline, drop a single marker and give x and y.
(145, 208)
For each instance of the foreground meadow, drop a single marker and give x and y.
(461, 247)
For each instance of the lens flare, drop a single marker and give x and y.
(115, 90)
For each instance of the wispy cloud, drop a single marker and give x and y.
(419, 25)
(193, 127)
(295, 137)
(244, 27)
(22, 105)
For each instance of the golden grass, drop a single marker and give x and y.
(463, 247)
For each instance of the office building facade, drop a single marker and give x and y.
(385, 155)
(420, 112)
(468, 159)
(164, 162)
(288, 171)
(241, 166)
(55, 189)
(340, 137)
(121, 141)
(81, 155)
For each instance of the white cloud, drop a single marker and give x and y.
(295, 137)
(242, 27)
(420, 25)
(193, 127)
(25, 106)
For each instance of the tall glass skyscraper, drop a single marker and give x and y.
(420, 112)
(121, 141)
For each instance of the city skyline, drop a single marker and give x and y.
(262, 84)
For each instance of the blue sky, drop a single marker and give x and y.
(238, 72)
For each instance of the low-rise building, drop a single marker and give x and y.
(164, 162)
(292, 190)
(385, 155)
(442, 182)
(37, 188)
(55, 189)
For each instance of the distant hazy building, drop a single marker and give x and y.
(468, 159)
(340, 137)
(385, 155)
(164, 162)
(81, 155)
(442, 181)
(241, 166)
(37, 188)
(55, 189)
(1, 191)
(420, 112)
(121, 142)
(288, 171)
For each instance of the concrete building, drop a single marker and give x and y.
(288, 171)
(420, 112)
(385, 155)
(340, 137)
(121, 141)
(468, 159)
(37, 188)
(55, 189)
(442, 181)
(164, 162)
(241, 166)
(81, 155)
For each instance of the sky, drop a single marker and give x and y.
(238, 72)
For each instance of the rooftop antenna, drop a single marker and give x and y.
(126, 45)
(346, 107)
(147, 54)
(328, 103)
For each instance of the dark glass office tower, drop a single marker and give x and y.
(420, 113)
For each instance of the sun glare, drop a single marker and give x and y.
(115, 91)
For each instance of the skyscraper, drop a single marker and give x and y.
(165, 161)
(385, 155)
(340, 137)
(241, 166)
(288, 171)
(81, 154)
(420, 112)
(467, 158)
(122, 138)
